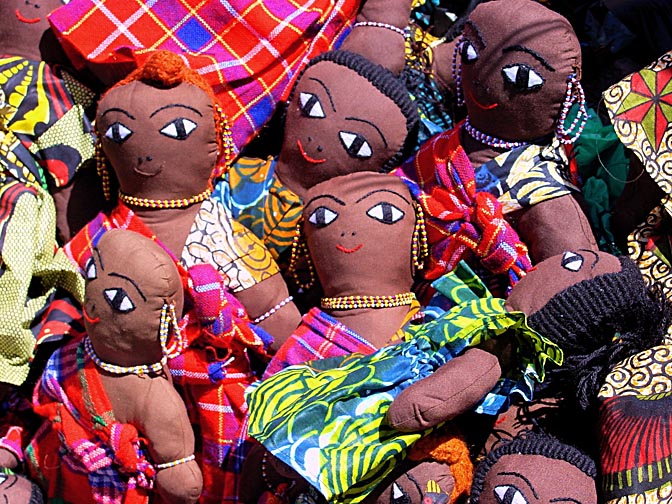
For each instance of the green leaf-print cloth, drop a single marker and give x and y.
(325, 418)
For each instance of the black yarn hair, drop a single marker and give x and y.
(531, 443)
(388, 84)
(36, 496)
(598, 323)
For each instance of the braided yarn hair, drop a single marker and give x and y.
(385, 82)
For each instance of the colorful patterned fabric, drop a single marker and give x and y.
(635, 423)
(325, 418)
(461, 217)
(257, 199)
(81, 453)
(640, 108)
(249, 50)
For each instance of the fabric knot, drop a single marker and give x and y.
(123, 439)
(211, 303)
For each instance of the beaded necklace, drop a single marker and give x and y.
(141, 369)
(353, 302)
(490, 140)
(172, 203)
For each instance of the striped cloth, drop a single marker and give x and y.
(249, 50)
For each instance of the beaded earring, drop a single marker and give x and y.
(227, 142)
(300, 251)
(573, 95)
(457, 73)
(419, 243)
(102, 168)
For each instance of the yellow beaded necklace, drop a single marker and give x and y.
(173, 203)
(352, 302)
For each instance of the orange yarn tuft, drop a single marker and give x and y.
(450, 448)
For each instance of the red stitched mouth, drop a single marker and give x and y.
(480, 105)
(20, 17)
(347, 250)
(306, 156)
(148, 174)
(88, 318)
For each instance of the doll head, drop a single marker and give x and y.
(133, 293)
(534, 468)
(361, 231)
(515, 64)
(163, 133)
(17, 489)
(597, 308)
(25, 28)
(345, 114)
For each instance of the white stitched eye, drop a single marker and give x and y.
(118, 133)
(509, 494)
(385, 212)
(311, 105)
(571, 261)
(523, 77)
(355, 145)
(322, 216)
(90, 270)
(119, 300)
(179, 128)
(468, 52)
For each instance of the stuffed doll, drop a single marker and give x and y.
(164, 137)
(348, 111)
(365, 242)
(517, 68)
(534, 467)
(113, 415)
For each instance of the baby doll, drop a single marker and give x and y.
(163, 134)
(116, 427)
(365, 241)
(517, 68)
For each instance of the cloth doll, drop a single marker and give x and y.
(517, 68)
(115, 426)
(164, 136)
(365, 241)
(534, 467)
(641, 216)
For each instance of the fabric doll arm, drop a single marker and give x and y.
(448, 392)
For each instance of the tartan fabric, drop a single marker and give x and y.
(249, 50)
(101, 460)
(461, 218)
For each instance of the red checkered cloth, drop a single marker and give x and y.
(249, 50)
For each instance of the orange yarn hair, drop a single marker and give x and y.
(164, 70)
(449, 447)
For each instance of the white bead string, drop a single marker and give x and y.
(488, 139)
(270, 312)
(378, 24)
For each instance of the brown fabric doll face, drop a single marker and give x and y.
(515, 60)
(528, 479)
(160, 143)
(16, 489)
(129, 279)
(359, 229)
(338, 123)
(24, 23)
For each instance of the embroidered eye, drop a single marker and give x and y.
(468, 52)
(119, 300)
(179, 128)
(522, 77)
(3, 477)
(118, 133)
(355, 145)
(311, 105)
(571, 261)
(385, 212)
(90, 270)
(322, 216)
(508, 494)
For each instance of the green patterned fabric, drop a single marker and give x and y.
(325, 418)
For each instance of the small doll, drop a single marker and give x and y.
(116, 427)
(534, 467)
(365, 242)
(517, 67)
(165, 139)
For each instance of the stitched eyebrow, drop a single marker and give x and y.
(478, 33)
(117, 109)
(535, 54)
(369, 123)
(597, 257)
(382, 190)
(100, 258)
(518, 475)
(173, 105)
(326, 90)
(339, 201)
(565, 499)
(119, 275)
